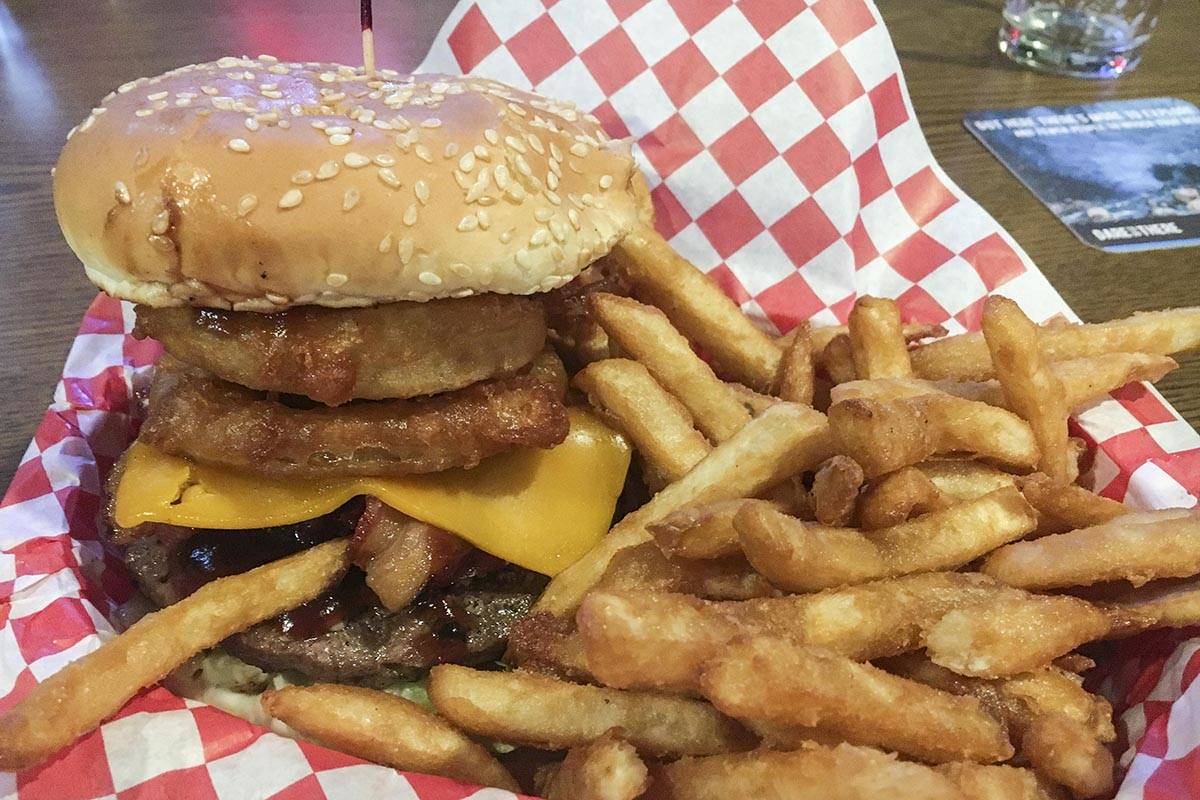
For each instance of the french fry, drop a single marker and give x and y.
(660, 428)
(795, 383)
(885, 436)
(898, 496)
(1013, 634)
(1024, 703)
(1062, 751)
(837, 359)
(966, 357)
(1133, 547)
(698, 308)
(822, 335)
(995, 782)
(835, 490)
(890, 389)
(965, 480)
(1018, 699)
(537, 710)
(877, 340)
(1032, 390)
(1086, 380)
(799, 557)
(81, 695)
(784, 440)
(606, 769)
(386, 729)
(703, 531)
(645, 333)
(549, 644)
(843, 772)
(785, 683)
(1063, 508)
(645, 567)
(1161, 604)
(660, 641)
(802, 557)
(754, 402)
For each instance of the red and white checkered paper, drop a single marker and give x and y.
(786, 161)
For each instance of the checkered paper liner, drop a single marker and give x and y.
(785, 160)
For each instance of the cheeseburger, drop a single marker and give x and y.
(348, 275)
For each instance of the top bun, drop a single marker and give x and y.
(252, 184)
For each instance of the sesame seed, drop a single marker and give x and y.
(468, 223)
(291, 198)
(303, 177)
(492, 137)
(238, 145)
(355, 160)
(410, 215)
(339, 139)
(421, 189)
(506, 237)
(467, 162)
(384, 160)
(555, 152)
(269, 59)
(502, 177)
(327, 77)
(405, 249)
(515, 144)
(143, 112)
(540, 237)
(277, 299)
(543, 214)
(381, 124)
(350, 199)
(272, 95)
(121, 191)
(573, 216)
(480, 186)
(485, 219)
(587, 199)
(523, 259)
(460, 269)
(574, 166)
(141, 157)
(389, 177)
(161, 222)
(160, 242)
(482, 153)
(606, 181)
(423, 153)
(551, 180)
(156, 96)
(126, 87)
(535, 143)
(431, 122)
(283, 123)
(558, 230)
(523, 166)
(247, 204)
(429, 279)
(579, 149)
(336, 279)
(385, 244)
(328, 170)
(251, 124)
(515, 191)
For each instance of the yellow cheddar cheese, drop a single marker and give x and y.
(541, 509)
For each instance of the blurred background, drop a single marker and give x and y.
(57, 59)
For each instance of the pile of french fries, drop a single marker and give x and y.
(865, 572)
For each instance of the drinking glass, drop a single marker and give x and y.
(1085, 38)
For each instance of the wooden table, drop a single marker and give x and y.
(57, 59)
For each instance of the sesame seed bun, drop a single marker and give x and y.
(251, 184)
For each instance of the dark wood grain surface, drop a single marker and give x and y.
(57, 59)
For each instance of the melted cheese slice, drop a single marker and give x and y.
(541, 509)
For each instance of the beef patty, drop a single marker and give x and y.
(344, 635)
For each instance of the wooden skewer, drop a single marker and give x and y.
(368, 37)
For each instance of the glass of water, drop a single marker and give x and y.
(1085, 38)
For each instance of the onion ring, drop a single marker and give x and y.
(333, 355)
(196, 415)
